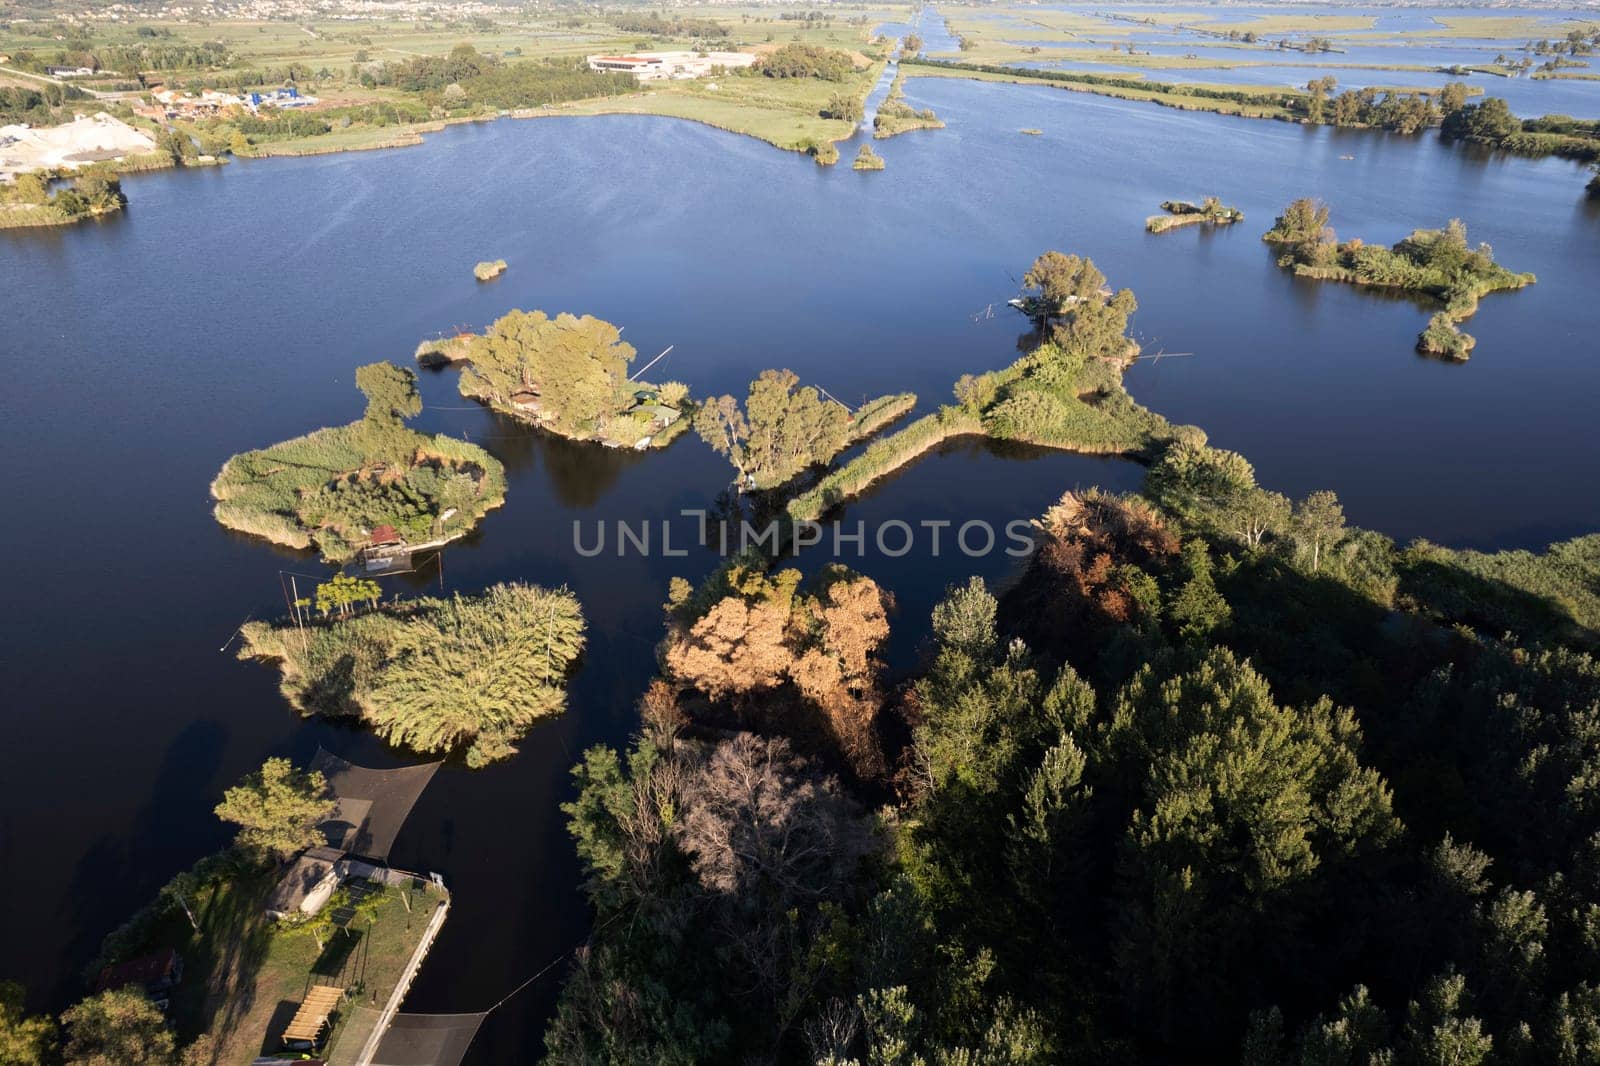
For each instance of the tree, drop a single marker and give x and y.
(1197, 608)
(910, 45)
(176, 144)
(722, 425)
(1319, 89)
(1318, 523)
(392, 397)
(757, 823)
(343, 590)
(118, 1028)
(1488, 122)
(1055, 282)
(844, 106)
(782, 430)
(964, 621)
(1216, 877)
(576, 369)
(278, 808)
(24, 1040)
(391, 393)
(1453, 97)
(30, 188)
(1302, 221)
(1439, 1033)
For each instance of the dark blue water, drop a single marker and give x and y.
(227, 309)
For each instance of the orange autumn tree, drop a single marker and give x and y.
(757, 643)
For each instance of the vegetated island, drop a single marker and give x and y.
(565, 375)
(29, 201)
(470, 673)
(895, 116)
(1066, 393)
(783, 430)
(1436, 263)
(333, 488)
(489, 269)
(1210, 211)
(867, 159)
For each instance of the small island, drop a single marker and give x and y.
(1445, 339)
(471, 674)
(867, 159)
(565, 375)
(1032, 132)
(1436, 263)
(782, 430)
(342, 489)
(489, 269)
(1210, 211)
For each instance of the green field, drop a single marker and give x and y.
(335, 60)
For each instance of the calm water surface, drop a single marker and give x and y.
(228, 308)
(1380, 46)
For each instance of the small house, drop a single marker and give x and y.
(386, 537)
(156, 973)
(307, 883)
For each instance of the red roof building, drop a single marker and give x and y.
(156, 972)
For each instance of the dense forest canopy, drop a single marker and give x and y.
(1217, 777)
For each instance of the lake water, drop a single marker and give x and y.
(1380, 46)
(227, 308)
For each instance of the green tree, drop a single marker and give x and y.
(1055, 282)
(117, 1028)
(576, 369)
(782, 429)
(1244, 804)
(392, 398)
(1438, 1032)
(30, 188)
(964, 621)
(343, 591)
(278, 808)
(1302, 221)
(176, 144)
(391, 393)
(844, 106)
(24, 1040)
(1488, 122)
(1197, 608)
(1453, 97)
(1318, 523)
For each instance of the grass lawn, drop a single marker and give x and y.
(780, 111)
(245, 975)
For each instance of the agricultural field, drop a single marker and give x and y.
(382, 82)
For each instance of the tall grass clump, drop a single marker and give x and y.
(471, 673)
